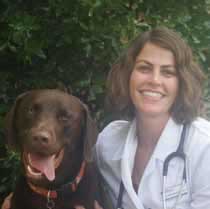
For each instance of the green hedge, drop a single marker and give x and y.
(72, 44)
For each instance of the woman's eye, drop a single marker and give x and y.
(143, 68)
(169, 73)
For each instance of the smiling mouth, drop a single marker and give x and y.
(152, 94)
(38, 166)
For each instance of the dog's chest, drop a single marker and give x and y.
(34, 201)
(24, 198)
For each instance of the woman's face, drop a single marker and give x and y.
(154, 81)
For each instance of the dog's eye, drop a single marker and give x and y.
(33, 109)
(64, 118)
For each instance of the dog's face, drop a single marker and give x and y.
(50, 128)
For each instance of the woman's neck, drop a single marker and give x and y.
(149, 129)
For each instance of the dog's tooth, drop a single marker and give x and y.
(29, 158)
(32, 172)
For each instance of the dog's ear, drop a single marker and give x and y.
(10, 129)
(90, 136)
(67, 89)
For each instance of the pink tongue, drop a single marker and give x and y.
(43, 164)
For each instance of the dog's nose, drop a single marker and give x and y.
(42, 138)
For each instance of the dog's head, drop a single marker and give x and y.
(48, 127)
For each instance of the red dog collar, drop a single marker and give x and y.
(53, 194)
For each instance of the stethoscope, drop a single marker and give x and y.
(179, 153)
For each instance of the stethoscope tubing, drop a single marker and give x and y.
(179, 153)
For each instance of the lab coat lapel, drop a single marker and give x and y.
(168, 141)
(167, 144)
(127, 165)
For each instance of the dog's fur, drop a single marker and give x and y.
(46, 123)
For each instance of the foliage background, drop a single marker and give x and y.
(72, 44)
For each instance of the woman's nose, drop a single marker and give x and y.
(156, 77)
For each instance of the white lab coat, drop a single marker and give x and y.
(115, 151)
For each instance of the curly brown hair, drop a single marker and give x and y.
(188, 102)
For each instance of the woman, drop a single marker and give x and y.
(156, 86)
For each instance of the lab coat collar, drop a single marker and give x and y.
(127, 164)
(168, 141)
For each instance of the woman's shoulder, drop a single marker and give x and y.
(199, 136)
(201, 127)
(116, 127)
(198, 152)
(114, 134)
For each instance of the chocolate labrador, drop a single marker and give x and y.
(55, 135)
